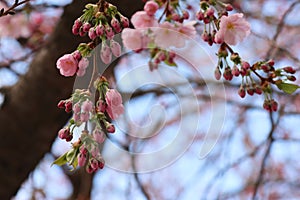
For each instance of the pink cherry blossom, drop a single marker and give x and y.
(233, 29)
(114, 104)
(132, 39)
(67, 65)
(142, 20)
(151, 7)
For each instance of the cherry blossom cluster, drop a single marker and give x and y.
(100, 22)
(157, 36)
(31, 24)
(108, 106)
(224, 29)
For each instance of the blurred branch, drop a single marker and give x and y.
(269, 143)
(10, 10)
(280, 27)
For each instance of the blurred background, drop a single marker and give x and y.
(187, 135)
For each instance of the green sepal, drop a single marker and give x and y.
(61, 160)
(287, 87)
(172, 64)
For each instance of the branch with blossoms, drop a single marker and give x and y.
(220, 28)
(157, 35)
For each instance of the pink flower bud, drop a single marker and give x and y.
(92, 34)
(115, 24)
(258, 90)
(81, 159)
(110, 128)
(77, 23)
(75, 30)
(218, 73)
(185, 14)
(101, 106)
(86, 27)
(289, 69)
(99, 30)
(115, 48)
(77, 55)
(84, 116)
(274, 105)
(83, 150)
(291, 78)
(89, 169)
(242, 92)
(101, 163)
(245, 65)
(175, 17)
(210, 12)
(235, 71)
(250, 90)
(228, 7)
(94, 163)
(68, 106)
(124, 22)
(200, 15)
(109, 32)
(65, 133)
(227, 74)
(271, 63)
(267, 105)
(76, 108)
(61, 104)
(151, 7)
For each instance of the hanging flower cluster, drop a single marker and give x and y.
(224, 29)
(100, 22)
(156, 36)
(85, 151)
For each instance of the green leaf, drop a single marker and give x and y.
(287, 87)
(61, 160)
(172, 64)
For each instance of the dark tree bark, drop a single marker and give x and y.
(29, 118)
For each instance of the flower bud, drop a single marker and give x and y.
(235, 71)
(289, 69)
(92, 34)
(99, 30)
(61, 104)
(81, 159)
(185, 14)
(245, 65)
(86, 27)
(124, 22)
(242, 92)
(110, 128)
(218, 73)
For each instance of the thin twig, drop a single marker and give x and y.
(270, 141)
(280, 27)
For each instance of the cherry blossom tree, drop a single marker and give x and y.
(200, 94)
